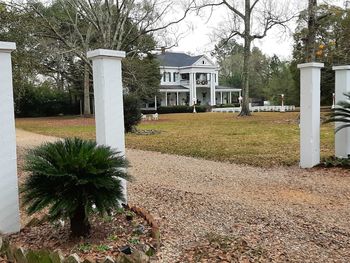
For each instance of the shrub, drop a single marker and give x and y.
(227, 105)
(341, 114)
(177, 109)
(336, 162)
(132, 112)
(42, 101)
(70, 177)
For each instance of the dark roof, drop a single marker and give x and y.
(171, 59)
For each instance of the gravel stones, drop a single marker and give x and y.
(281, 214)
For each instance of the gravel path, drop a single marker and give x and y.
(278, 214)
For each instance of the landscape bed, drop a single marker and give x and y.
(264, 139)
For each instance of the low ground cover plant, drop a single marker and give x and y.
(341, 115)
(74, 179)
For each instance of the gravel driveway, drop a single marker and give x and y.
(277, 215)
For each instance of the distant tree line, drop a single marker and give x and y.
(53, 39)
(331, 45)
(270, 76)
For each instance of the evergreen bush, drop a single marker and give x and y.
(73, 179)
(132, 112)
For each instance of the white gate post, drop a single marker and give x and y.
(108, 96)
(9, 204)
(342, 85)
(310, 93)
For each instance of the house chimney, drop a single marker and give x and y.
(163, 50)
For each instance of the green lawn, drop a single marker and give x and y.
(264, 139)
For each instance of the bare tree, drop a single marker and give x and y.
(82, 25)
(311, 37)
(252, 20)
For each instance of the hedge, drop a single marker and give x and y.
(176, 109)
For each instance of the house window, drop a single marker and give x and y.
(203, 62)
(166, 76)
(175, 76)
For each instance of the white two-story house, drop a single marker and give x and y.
(192, 79)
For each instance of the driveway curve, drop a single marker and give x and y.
(282, 214)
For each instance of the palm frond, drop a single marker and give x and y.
(67, 174)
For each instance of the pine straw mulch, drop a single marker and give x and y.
(224, 250)
(108, 236)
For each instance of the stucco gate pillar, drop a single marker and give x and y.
(310, 92)
(108, 93)
(9, 204)
(342, 85)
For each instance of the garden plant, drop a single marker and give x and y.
(341, 113)
(74, 179)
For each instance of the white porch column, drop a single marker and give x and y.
(191, 90)
(166, 99)
(342, 85)
(221, 97)
(310, 78)
(9, 204)
(177, 98)
(212, 90)
(194, 87)
(230, 98)
(108, 95)
(155, 102)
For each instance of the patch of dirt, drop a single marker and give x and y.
(108, 236)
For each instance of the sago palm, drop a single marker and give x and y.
(72, 179)
(341, 114)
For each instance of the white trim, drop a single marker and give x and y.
(105, 53)
(199, 67)
(232, 90)
(311, 65)
(173, 90)
(7, 47)
(345, 67)
(209, 60)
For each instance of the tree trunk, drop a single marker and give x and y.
(87, 109)
(247, 54)
(311, 37)
(79, 223)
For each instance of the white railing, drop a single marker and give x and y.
(256, 109)
(184, 82)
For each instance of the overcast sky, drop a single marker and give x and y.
(199, 37)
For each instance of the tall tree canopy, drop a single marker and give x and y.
(330, 45)
(249, 20)
(64, 30)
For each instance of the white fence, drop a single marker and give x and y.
(256, 109)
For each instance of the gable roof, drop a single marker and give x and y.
(172, 59)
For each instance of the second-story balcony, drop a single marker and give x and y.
(199, 82)
(184, 82)
(202, 82)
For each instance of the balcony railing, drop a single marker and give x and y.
(202, 82)
(186, 82)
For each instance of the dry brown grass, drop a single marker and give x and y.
(264, 139)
